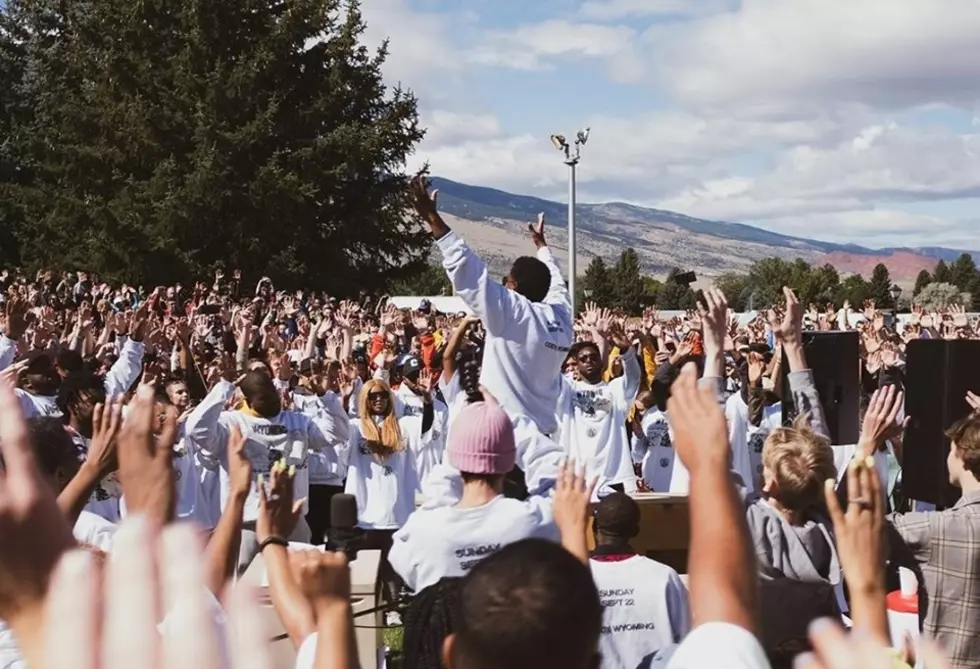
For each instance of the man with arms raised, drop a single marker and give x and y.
(528, 320)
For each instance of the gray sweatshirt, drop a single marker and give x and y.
(798, 565)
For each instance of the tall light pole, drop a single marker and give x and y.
(572, 153)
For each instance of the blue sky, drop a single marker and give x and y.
(846, 121)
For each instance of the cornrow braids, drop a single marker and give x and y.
(432, 616)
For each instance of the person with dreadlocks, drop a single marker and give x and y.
(645, 607)
(432, 615)
(79, 395)
(462, 358)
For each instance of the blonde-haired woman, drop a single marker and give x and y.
(382, 473)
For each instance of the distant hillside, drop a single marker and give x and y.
(666, 239)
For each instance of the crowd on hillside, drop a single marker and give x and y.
(492, 456)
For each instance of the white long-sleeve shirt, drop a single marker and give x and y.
(327, 465)
(592, 420)
(443, 540)
(288, 436)
(526, 342)
(384, 489)
(118, 380)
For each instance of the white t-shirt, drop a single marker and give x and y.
(447, 541)
(662, 470)
(719, 645)
(592, 425)
(645, 609)
(772, 418)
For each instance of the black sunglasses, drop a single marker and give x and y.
(378, 395)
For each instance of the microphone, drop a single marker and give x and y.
(344, 535)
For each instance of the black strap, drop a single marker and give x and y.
(273, 541)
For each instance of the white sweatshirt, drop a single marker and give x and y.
(662, 470)
(442, 540)
(592, 420)
(190, 503)
(526, 342)
(384, 489)
(118, 380)
(327, 464)
(447, 541)
(645, 609)
(288, 436)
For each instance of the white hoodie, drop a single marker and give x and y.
(526, 342)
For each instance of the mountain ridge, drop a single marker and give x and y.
(603, 226)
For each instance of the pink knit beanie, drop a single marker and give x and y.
(482, 440)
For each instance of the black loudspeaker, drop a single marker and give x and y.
(938, 375)
(834, 358)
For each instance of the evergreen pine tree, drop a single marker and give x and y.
(921, 281)
(256, 133)
(597, 283)
(963, 271)
(629, 289)
(941, 274)
(880, 286)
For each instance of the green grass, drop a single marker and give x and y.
(394, 638)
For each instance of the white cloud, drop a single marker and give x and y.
(881, 164)
(611, 10)
(786, 113)
(536, 46)
(879, 52)
(445, 128)
(420, 45)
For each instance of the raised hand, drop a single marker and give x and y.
(114, 621)
(757, 366)
(16, 321)
(881, 419)
(11, 375)
(959, 315)
(788, 329)
(698, 424)
(714, 316)
(424, 201)
(537, 232)
(30, 520)
(239, 466)
(860, 531)
(102, 449)
(278, 513)
(426, 380)
(139, 322)
(571, 500)
(426, 205)
(973, 400)
(324, 578)
(146, 469)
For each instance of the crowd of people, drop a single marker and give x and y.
(155, 442)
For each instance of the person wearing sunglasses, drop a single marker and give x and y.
(592, 414)
(382, 474)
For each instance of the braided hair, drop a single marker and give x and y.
(469, 364)
(432, 615)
